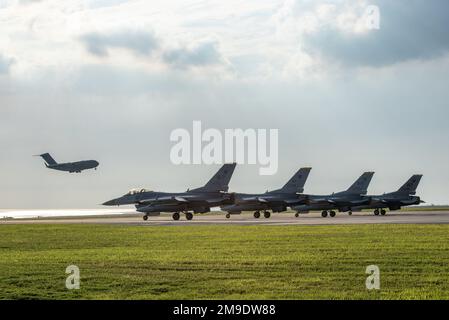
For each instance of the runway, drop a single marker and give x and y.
(280, 219)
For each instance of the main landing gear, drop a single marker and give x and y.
(145, 217)
(266, 214)
(382, 212)
(325, 213)
(176, 216)
(228, 215)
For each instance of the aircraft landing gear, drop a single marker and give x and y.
(267, 214)
(376, 212)
(350, 213)
(145, 217)
(383, 212)
(175, 216)
(228, 216)
(189, 216)
(332, 214)
(296, 214)
(324, 214)
(257, 214)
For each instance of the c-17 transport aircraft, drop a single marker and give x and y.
(212, 194)
(404, 196)
(77, 166)
(276, 200)
(341, 201)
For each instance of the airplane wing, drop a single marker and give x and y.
(164, 200)
(339, 202)
(252, 199)
(408, 202)
(294, 201)
(211, 201)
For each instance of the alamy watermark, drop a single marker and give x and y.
(212, 146)
(373, 280)
(73, 280)
(371, 17)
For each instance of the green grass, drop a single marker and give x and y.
(224, 262)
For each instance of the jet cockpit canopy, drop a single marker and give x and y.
(136, 191)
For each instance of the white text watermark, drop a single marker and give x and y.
(212, 146)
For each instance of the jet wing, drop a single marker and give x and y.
(252, 199)
(164, 200)
(408, 202)
(211, 201)
(294, 201)
(338, 202)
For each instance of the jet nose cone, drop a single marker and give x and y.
(112, 202)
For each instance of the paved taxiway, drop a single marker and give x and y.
(417, 217)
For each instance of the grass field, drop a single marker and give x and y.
(224, 262)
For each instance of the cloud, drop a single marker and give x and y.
(5, 64)
(25, 2)
(205, 53)
(409, 30)
(139, 42)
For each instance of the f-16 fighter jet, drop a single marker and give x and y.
(212, 194)
(276, 200)
(404, 196)
(342, 201)
(77, 166)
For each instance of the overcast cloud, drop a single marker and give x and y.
(140, 42)
(109, 80)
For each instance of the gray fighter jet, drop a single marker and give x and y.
(276, 200)
(77, 166)
(212, 194)
(342, 201)
(404, 196)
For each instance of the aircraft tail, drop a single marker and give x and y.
(48, 159)
(410, 186)
(360, 186)
(220, 180)
(297, 182)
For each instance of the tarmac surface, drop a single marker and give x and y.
(280, 219)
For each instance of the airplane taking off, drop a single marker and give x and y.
(341, 201)
(276, 200)
(404, 196)
(77, 166)
(212, 194)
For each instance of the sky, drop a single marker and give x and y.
(109, 80)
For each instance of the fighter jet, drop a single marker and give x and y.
(342, 201)
(276, 200)
(77, 166)
(200, 200)
(404, 196)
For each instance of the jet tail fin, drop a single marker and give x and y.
(360, 186)
(297, 182)
(220, 180)
(48, 159)
(410, 186)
